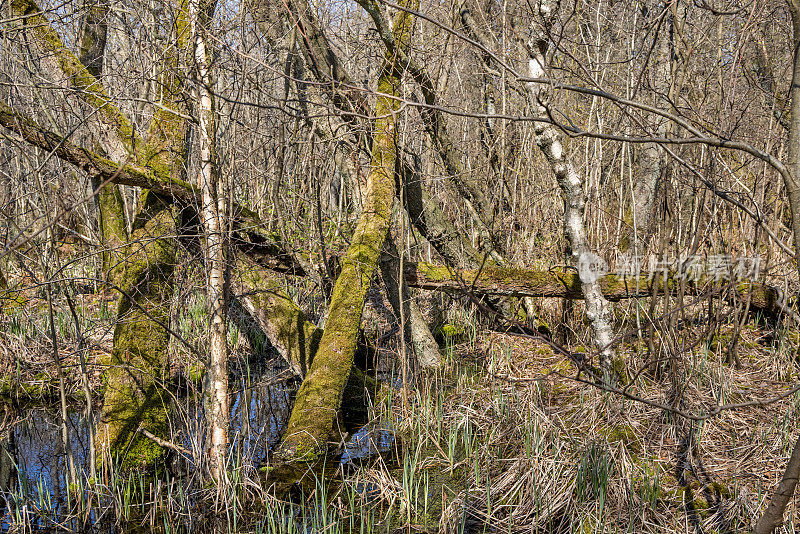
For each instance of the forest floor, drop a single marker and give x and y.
(507, 436)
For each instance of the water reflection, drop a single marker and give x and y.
(33, 474)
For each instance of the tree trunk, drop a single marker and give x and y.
(110, 210)
(313, 417)
(475, 202)
(598, 310)
(516, 282)
(135, 395)
(415, 329)
(215, 388)
(773, 516)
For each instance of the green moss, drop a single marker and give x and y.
(436, 485)
(312, 422)
(41, 389)
(720, 490)
(135, 396)
(12, 299)
(453, 332)
(113, 230)
(625, 434)
(692, 498)
(195, 372)
(620, 369)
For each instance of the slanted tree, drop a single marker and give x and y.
(314, 415)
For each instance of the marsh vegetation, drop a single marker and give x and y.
(370, 266)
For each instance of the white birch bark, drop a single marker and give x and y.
(549, 140)
(216, 379)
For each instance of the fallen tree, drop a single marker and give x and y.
(249, 234)
(519, 282)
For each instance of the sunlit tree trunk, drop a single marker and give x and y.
(313, 418)
(549, 140)
(137, 396)
(212, 214)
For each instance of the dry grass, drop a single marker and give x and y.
(551, 453)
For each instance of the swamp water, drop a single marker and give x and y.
(37, 495)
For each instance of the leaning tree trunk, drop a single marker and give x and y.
(415, 329)
(260, 293)
(109, 208)
(549, 141)
(474, 200)
(773, 515)
(313, 417)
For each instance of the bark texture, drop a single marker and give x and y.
(135, 396)
(313, 418)
(212, 212)
(548, 139)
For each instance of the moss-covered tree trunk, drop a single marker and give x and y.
(136, 395)
(313, 418)
(261, 294)
(108, 199)
(474, 200)
(284, 324)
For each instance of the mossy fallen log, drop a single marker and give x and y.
(518, 282)
(261, 293)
